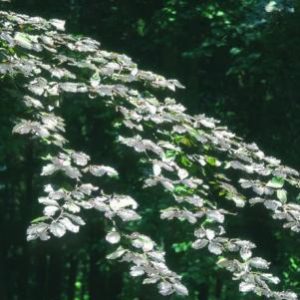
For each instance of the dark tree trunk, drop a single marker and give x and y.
(203, 292)
(55, 276)
(72, 278)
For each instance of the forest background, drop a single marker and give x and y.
(240, 63)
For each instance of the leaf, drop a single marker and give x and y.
(212, 161)
(34, 231)
(276, 183)
(207, 123)
(39, 219)
(120, 202)
(215, 215)
(23, 127)
(282, 195)
(246, 287)
(157, 256)
(50, 210)
(239, 201)
(38, 86)
(289, 295)
(72, 87)
(150, 280)
(48, 170)
(113, 237)
(88, 188)
(210, 234)
(182, 173)
(72, 172)
(136, 271)
(169, 213)
(117, 254)
(58, 24)
(80, 158)
(245, 253)
(31, 102)
(256, 200)
(103, 170)
(76, 219)
(259, 263)
(224, 262)
(57, 229)
(165, 288)
(71, 206)
(199, 244)
(48, 201)
(143, 242)
(156, 170)
(180, 289)
(69, 225)
(23, 40)
(44, 236)
(272, 204)
(270, 278)
(128, 215)
(95, 79)
(215, 248)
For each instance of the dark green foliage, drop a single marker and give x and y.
(238, 63)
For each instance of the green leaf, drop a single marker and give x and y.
(181, 247)
(212, 161)
(40, 219)
(170, 153)
(282, 195)
(185, 161)
(235, 51)
(276, 183)
(181, 190)
(23, 40)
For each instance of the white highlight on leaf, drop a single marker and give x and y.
(57, 229)
(50, 210)
(113, 237)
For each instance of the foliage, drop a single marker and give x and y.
(190, 161)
